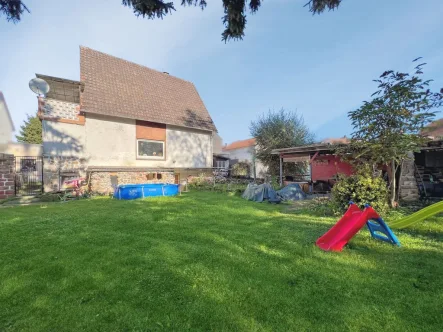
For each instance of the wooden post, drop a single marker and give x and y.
(281, 171)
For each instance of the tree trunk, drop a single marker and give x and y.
(393, 185)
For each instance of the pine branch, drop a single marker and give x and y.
(150, 8)
(13, 9)
(319, 6)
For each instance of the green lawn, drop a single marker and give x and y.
(208, 261)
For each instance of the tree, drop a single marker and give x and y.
(13, 9)
(387, 128)
(279, 129)
(31, 131)
(234, 18)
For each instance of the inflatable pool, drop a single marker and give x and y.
(134, 191)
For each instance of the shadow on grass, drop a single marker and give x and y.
(206, 262)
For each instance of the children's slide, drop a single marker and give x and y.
(349, 225)
(418, 216)
(351, 222)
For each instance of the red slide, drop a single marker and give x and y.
(351, 222)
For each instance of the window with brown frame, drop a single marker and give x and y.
(150, 149)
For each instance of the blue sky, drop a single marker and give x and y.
(321, 66)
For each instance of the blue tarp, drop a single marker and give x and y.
(261, 192)
(292, 192)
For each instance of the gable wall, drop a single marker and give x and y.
(111, 141)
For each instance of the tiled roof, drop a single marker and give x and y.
(240, 144)
(341, 140)
(434, 129)
(116, 87)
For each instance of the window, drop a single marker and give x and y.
(147, 149)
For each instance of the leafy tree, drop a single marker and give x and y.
(234, 18)
(388, 127)
(31, 131)
(279, 129)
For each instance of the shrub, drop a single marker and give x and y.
(241, 168)
(361, 188)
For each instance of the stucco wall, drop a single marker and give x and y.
(245, 154)
(188, 147)
(111, 141)
(5, 125)
(63, 139)
(217, 144)
(24, 149)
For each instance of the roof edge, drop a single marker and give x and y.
(168, 124)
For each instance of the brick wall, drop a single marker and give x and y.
(6, 175)
(102, 182)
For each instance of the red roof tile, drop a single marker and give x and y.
(116, 87)
(240, 144)
(434, 129)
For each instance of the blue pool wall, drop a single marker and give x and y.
(135, 191)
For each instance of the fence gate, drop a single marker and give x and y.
(28, 175)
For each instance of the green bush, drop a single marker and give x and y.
(241, 168)
(360, 188)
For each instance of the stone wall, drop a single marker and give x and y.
(102, 182)
(408, 184)
(55, 167)
(6, 176)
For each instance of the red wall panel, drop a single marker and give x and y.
(326, 167)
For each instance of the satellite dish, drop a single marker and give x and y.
(39, 86)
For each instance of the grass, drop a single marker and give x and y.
(209, 261)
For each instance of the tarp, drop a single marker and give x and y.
(292, 192)
(260, 193)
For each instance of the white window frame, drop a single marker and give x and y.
(151, 157)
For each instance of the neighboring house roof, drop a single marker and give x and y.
(116, 87)
(341, 140)
(240, 144)
(434, 129)
(62, 89)
(3, 101)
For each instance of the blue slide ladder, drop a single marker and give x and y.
(380, 231)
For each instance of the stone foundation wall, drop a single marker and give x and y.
(102, 182)
(55, 167)
(408, 184)
(6, 176)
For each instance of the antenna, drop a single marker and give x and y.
(39, 86)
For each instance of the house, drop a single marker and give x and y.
(244, 151)
(123, 123)
(6, 124)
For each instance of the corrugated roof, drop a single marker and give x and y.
(240, 144)
(116, 87)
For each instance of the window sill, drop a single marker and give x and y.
(151, 158)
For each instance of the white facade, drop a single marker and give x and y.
(247, 154)
(111, 141)
(6, 126)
